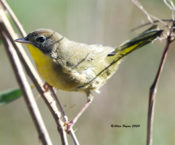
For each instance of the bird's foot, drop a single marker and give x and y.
(69, 125)
(46, 87)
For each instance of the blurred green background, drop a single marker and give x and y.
(123, 100)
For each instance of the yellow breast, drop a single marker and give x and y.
(51, 72)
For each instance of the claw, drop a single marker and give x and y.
(69, 125)
(46, 87)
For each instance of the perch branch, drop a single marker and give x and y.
(27, 92)
(48, 97)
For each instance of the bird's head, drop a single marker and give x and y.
(43, 39)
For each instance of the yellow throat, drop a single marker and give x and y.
(50, 71)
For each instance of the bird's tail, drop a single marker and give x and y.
(125, 48)
(144, 38)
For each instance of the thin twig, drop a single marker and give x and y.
(148, 23)
(154, 86)
(137, 3)
(14, 18)
(150, 17)
(171, 6)
(71, 132)
(27, 92)
(49, 100)
(153, 91)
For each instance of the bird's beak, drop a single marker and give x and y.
(22, 40)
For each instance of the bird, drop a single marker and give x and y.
(72, 66)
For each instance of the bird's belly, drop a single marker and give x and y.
(53, 74)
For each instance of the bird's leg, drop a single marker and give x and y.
(71, 123)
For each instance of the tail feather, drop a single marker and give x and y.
(144, 38)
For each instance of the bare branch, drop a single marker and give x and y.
(14, 18)
(149, 16)
(153, 89)
(23, 83)
(148, 23)
(169, 38)
(48, 97)
(71, 132)
(138, 4)
(171, 6)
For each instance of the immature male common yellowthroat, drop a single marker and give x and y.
(73, 66)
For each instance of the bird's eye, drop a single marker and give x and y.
(40, 39)
(26, 38)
